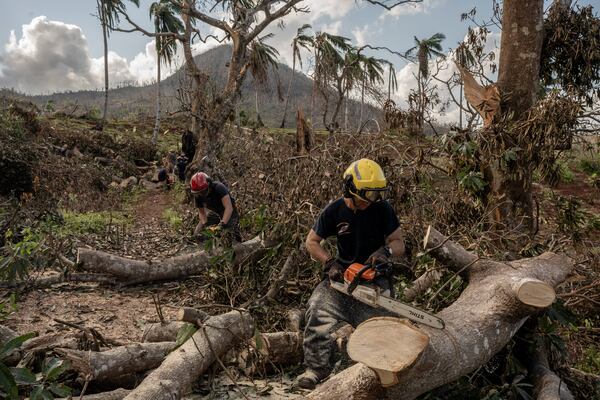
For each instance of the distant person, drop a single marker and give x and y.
(188, 144)
(165, 178)
(216, 206)
(180, 166)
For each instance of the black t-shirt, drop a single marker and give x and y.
(359, 233)
(213, 201)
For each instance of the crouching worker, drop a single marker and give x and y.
(216, 207)
(367, 231)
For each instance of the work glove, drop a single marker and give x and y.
(336, 270)
(379, 256)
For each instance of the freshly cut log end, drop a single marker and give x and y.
(192, 315)
(387, 345)
(535, 293)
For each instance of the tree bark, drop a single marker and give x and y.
(157, 119)
(118, 361)
(102, 12)
(546, 384)
(518, 82)
(175, 376)
(497, 301)
(135, 271)
(277, 348)
(192, 315)
(159, 332)
(117, 394)
(289, 91)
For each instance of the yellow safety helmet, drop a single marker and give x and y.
(365, 179)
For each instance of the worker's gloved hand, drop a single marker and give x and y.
(336, 270)
(380, 256)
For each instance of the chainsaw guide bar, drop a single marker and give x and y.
(373, 298)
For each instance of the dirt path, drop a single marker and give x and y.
(117, 313)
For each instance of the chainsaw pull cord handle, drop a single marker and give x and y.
(357, 277)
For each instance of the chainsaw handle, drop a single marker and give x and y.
(352, 285)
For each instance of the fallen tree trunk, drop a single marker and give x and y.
(122, 360)
(162, 332)
(135, 271)
(182, 367)
(192, 315)
(494, 305)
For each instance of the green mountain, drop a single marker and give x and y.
(139, 101)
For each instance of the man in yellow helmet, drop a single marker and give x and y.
(367, 230)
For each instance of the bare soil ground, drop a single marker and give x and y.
(119, 314)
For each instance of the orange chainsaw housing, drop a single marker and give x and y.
(353, 269)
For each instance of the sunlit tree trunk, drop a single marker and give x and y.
(102, 15)
(518, 80)
(289, 91)
(157, 120)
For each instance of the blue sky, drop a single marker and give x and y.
(63, 49)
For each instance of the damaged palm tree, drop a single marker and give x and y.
(499, 298)
(240, 22)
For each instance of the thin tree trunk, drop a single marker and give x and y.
(313, 95)
(102, 13)
(157, 121)
(346, 112)
(460, 107)
(362, 105)
(289, 91)
(390, 83)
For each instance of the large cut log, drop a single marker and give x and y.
(162, 332)
(192, 315)
(135, 271)
(498, 299)
(118, 394)
(184, 366)
(268, 349)
(118, 361)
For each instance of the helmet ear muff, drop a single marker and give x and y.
(348, 186)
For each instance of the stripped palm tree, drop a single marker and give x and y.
(371, 71)
(165, 18)
(108, 13)
(425, 49)
(330, 56)
(262, 57)
(301, 40)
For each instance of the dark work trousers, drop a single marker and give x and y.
(326, 309)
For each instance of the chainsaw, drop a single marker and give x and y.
(373, 295)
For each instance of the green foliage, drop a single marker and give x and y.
(594, 180)
(570, 218)
(8, 306)
(590, 165)
(13, 127)
(565, 173)
(591, 360)
(471, 181)
(90, 222)
(173, 218)
(256, 219)
(184, 333)
(21, 254)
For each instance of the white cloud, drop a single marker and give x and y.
(361, 35)
(423, 7)
(50, 55)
